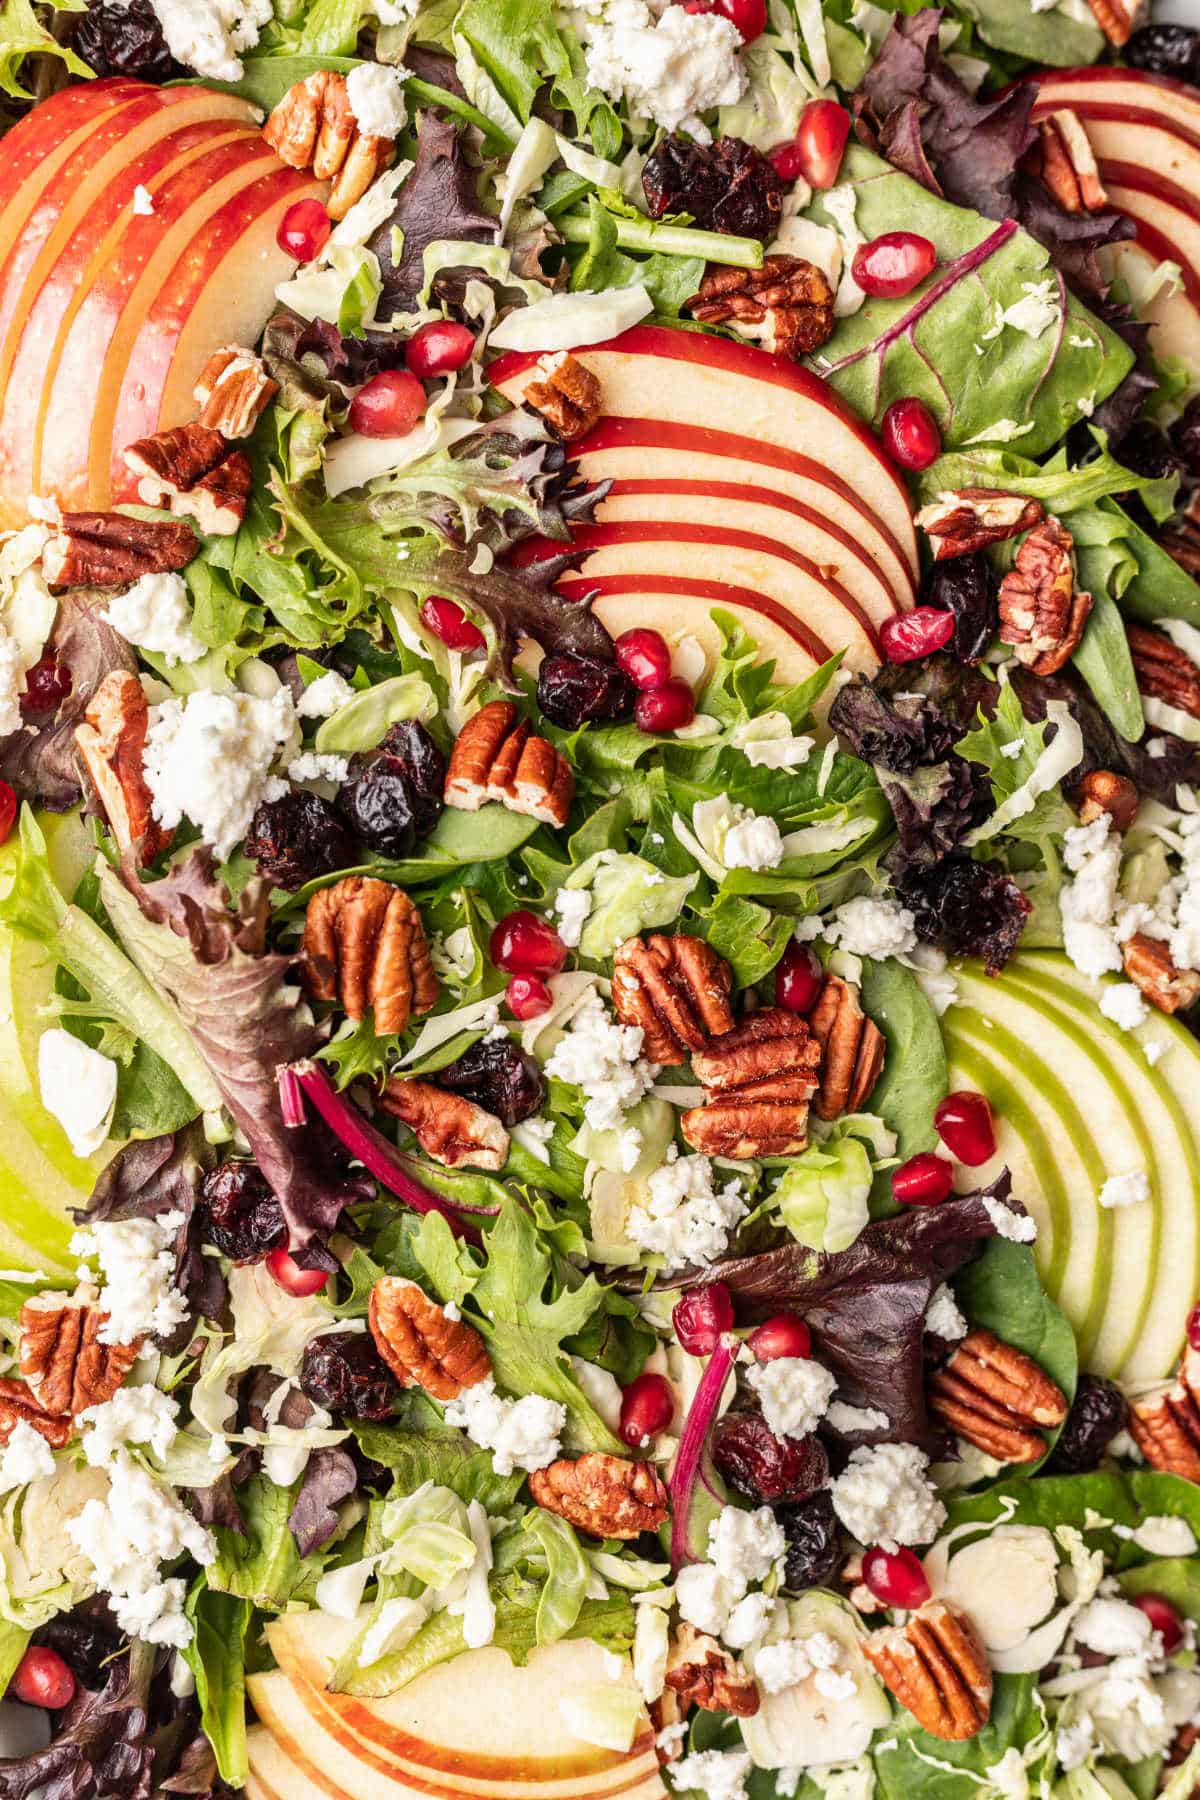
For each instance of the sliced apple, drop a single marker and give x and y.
(273, 1775)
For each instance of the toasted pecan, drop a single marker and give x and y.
(997, 1398)
(233, 391)
(1164, 671)
(1150, 966)
(193, 470)
(420, 1345)
(963, 520)
(112, 742)
(18, 1406)
(566, 394)
(448, 1127)
(677, 989)
(1064, 159)
(852, 1046)
(365, 945)
(766, 1045)
(62, 1358)
(936, 1666)
(97, 549)
(497, 757)
(706, 1675)
(1042, 612)
(606, 1496)
(786, 305)
(314, 127)
(1104, 793)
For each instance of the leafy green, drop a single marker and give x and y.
(671, 281)
(1176, 1578)
(263, 1565)
(438, 1454)
(750, 937)
(1001, 1292)
(1049, 816)
(216, 1656)
(1056, 37)
(567, 1574)
(915, 1076)
(22, 35)
(921, 1767)
(822, 1196)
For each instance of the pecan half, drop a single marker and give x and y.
(111, 550)
(497, 757)
(770, 1045)
(192, 470)
(17, 1406)
(1064, 159)
(704, 1674)
(67, 1367)
(420, 1345)
(1165, 1425)
(1163, 671)
(676, 989)
(313, 127)
(1117, 18)
(786, 306)
(760, 1077)
(997, 1398)
(451, 1129)
(962, 520)
(365, 945)
(853, 1049)
(233, 392)
(1104, 793)
(112, 743)
(1149, 965)
(567, 396)
(1042, 613)
(935, 1665)
(607, 1496)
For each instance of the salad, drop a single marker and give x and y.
(600, 908)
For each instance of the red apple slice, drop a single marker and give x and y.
(273, 1776)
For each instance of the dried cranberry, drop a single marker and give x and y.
(42, 1678)
(965, 587)
(1147, 450)
(241, 1216)
(394, 794)
(968, 907)
(85, 1644)
(765, 1467)
(124, 37)
(424, 770)
(1165, 50)
(1185, 437)
(581, 690)
(499, 1077)
(345, 1373)
(814, 1543)
(298, 838)
(1098, 1411)
(47, 685)
(726, 186)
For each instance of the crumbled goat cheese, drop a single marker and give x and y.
(1114, 1628)
(521, 1434)
(376, 96)
(125, 1539)
(943, 1319)
(311, 766)
(1011, 751)
(78, 1087)
(669, 68)
(604, 1060)
(572, 906)
(745, 1546)
(872, 927)
(934, 979)
(717, 1774)
(767, 742)
(1129, 1189)
(12, 685)
(1093, 856)
(684, 1217)
(794, 1392)
(137, 1260)
(1123, 1004)
(143, 202)
(753, 843)
(1017, 1227)
(209, 758)
(883, 1496)
(1074, 1744)
(783, 1665)
(748, 1620)
(25, 1457)
(1161, 1535)
(134, 1415)
(209, 35)
(849, 1419)
(704, 1598)
(324, 696)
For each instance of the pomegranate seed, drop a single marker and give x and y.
(893, 264)
(8, 811)
(923, 1180)
(523, 944)
(820, 140)
(389, 405)
(896, 1577)
(784, 1335)
(527, 996)
(965, 1125)
(910, 434)
(798, 978)
(785, 160)
(1163, 1618)
(439, 347)
(292, 1278)
(665, 708)
(700, 1317)
(42, 1678)
(1193, 1328)
(907, 636)
(47, 685)
(645, 658)
(647, 1408)
(748, 17)
(304, 230)
(447, 620)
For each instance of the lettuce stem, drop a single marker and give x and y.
(669, 240)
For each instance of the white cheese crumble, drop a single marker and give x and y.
(209, 35)
(311, 766)
(668, 64)
(869, 926)
(324, 696)
(26, 1457)
(943, 1318)
(745, 1546)
(685, 1218)
(376, 96)
(794, 1392)
(137, 1260)
(155, 615)
(717, 1774)
(1114, 1628)
(134, 1415)
(78, 1087)
(1017, 1227)
(753, 842)
(143, 202)
(1129, 1189)
(767, 742)
(12, 685)
(1123, 1004)
(748, 1620)
(572, 905)
(1160, 1534)
(208, 758)
(785, 1664)
(125, 1539)
(521, 1434)
(534, 1136)
(848, 1419)
(704, 1598)
(1093, 856)
(1074, 1744)
(604, 1060)
(884, 1497)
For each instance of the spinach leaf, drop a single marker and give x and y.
(915, 1077)
(217, 1658)
(921, 1767)
(1001, 1292)
(1176, 1578)
(1124, 1497)
(1103, 657)
(1055, 38)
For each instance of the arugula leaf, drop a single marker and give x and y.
(216, 1656)
(915, 1077)
(23, 35)
(1001, 1291)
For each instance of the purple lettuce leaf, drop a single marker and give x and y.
(438, 200)
(100, 1750)
(329, 1478)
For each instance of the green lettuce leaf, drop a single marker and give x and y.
(217, 1658)
(22, 35)
(561, 1599)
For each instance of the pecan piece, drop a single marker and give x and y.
(935, 1665)
(18, 1406)
(192, 470)
(314, 127)
(1105, 793)
(997, 1398)
(1165, 1425)
(420, 1344)
(760, 1077)
(1064, 158)
(233, 392)
(100, 549)
(676, 989)
(704, 1674)
(495, 757)
(448, 1127)
(853, 1049)
(1117, 18)
(67, 1367)
(786, 306)
(567, 395)
(606, 1496)
(962, 520)
(1150, 966)
(1042, 613)
(365, 945)
(741, 1126)
(1163, 671)
(112, 742)
(768, 1045)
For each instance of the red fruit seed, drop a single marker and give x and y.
(893, 264)
(910, 434)
(923, 1180)
(447, 620)
(647, 1408)
(965, 1125)
(748, 17)
(527, 996)
(523, 944)
(47, 685)
(665, 708)
(8, 811)
(1193, 1328)
(907, 636)
(438, 348)
(645, 658)
(389, 405)
(304, 230)
(784, 1335)
(896, 1577)
(820, 140)
(292, 1278)
(785, 160)
(798, 978)
(42, 1678)
(1163, 1618)
(701, 1316)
